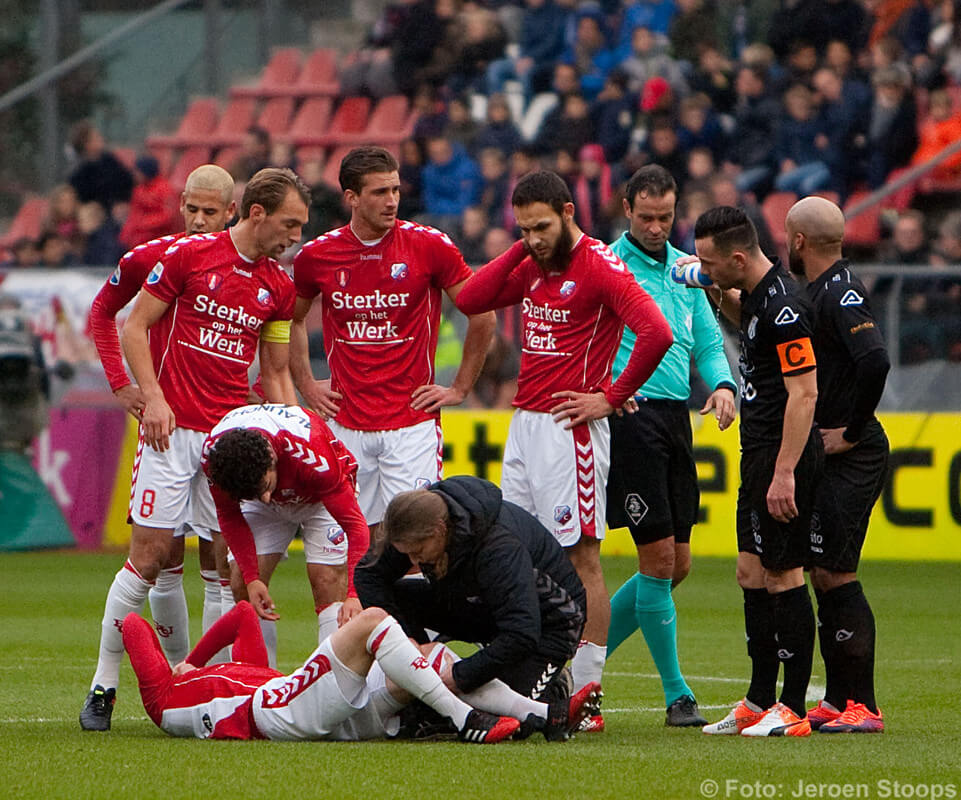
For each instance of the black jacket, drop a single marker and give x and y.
(508, 585)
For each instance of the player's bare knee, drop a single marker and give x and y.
(367, 620)
(824, 580)
(750, 573)
(656, 559)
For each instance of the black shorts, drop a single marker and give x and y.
(652, 486)
(850, 487)
(780, 545)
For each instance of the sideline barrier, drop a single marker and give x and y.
(918, 516)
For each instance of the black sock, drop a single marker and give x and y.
(794, 625)
(852, 634)
(836, 690)
(761, 647)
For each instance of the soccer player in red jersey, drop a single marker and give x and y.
(226, 296)
(381, 280)
(575, 296)
(206, 205)
(275, 470)
(338, 693)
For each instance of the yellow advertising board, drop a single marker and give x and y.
(918, 515)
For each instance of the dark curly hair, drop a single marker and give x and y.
(238, 461)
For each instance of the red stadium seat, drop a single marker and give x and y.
(278, 76)
(864, 230)
(310, 152)
(319, 75)
(28, 223)
(226, 156)
(774, 209)
(237, 119)
(390, 122)
(196, 125)
(311, 122)
(349, 123)
(190, 159)
(276, 115)
(332, 169)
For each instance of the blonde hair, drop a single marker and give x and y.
(210, 177)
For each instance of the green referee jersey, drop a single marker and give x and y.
(692, 321)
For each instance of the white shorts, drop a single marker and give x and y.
(195, 529)
(558, 475)
(274, 527)
(311, 702)
(391, 462)
(170, 487)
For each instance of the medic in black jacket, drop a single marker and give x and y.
(494, 575)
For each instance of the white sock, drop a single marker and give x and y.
(168, 606)
(588, 663)
(211, 597)
(127, 594)
(269, 630)
(495, 696)
(327, 621)
(227, 601)
(405, 666)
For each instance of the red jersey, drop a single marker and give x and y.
(572, 322)
(381, 314)
(219, 304)
(119, 290)
(313, 466)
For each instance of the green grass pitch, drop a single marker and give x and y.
(49, 621)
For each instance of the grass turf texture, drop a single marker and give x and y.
(49, 623)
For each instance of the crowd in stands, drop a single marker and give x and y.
(739, 101)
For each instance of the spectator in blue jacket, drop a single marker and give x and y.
(450, 182)
(802, 163)
(499, 131)
(590, 53)
(541, 43)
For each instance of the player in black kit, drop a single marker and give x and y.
(852, 367)
(781, 459)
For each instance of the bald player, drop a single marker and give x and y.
(206, 205)
(852, 367)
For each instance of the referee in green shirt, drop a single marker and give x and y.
(652, 489)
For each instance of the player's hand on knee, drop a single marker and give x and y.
(432, 397)
(261, 601)
(349, 609)
(322, 399)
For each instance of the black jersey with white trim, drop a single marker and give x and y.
(845, 332)
(777, 323)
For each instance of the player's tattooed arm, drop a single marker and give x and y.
(318, 395)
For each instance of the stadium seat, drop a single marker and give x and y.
(774, 209)
(864, 230)
(190, 159)
(278, 76)
(276, 114)
(226, 156)
(319, 75)
(311, 122)
(834, 197)
(331, 174)
(389, 122)
(28, 222)
(238, 117)
(195, 126)
(310, 152)
(349, 122)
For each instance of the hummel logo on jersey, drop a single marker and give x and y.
(398, 271)
(243, 272)
(787, 316)
(567, 288)
(115, 278)
(843, 635)
(851, 298)
(155, 273)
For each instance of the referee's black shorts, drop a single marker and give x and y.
(846, 494)
(652, 486)
(780, 545)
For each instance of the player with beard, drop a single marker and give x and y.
(852, 367)
(781, 460)
(206, 205)
(576, 296)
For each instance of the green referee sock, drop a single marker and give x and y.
(623, 618)
(657, 618)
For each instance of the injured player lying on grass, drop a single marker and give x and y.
(352, 687)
